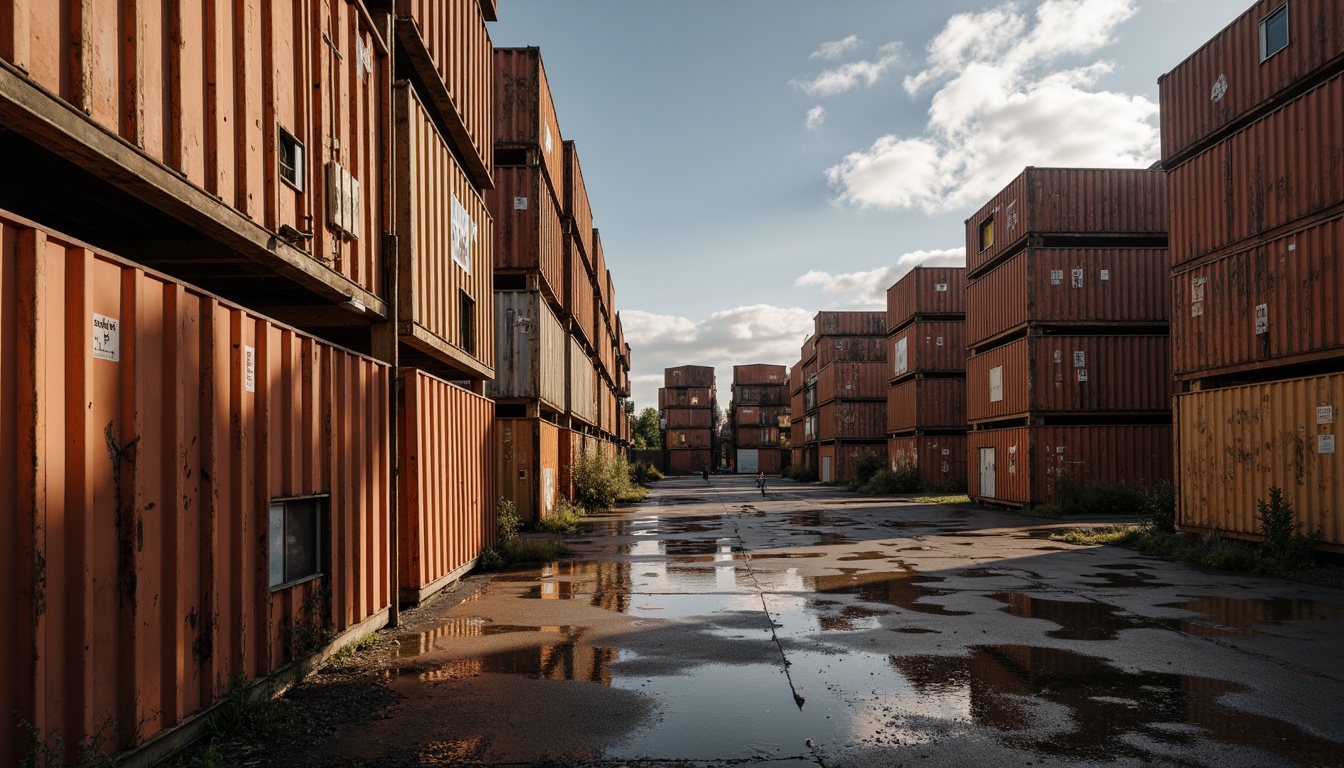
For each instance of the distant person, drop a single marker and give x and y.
(705, 473)
(760, 481)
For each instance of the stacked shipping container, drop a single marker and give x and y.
(758, 418)
(844, 393)
(1067, 327)
(686, 405)
(1257, 217)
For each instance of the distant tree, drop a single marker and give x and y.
(645, 429)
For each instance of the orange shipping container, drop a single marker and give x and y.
(928, 346)
(530, 351)
(1072, 375)
(688, 417)
(843, 420)
(755, 415)
(1237, 443)
(446, 249)
(926, 291)
(698, 376)
(1070, 286)
(852, 381)
(1023, 465)
(836, 460)
(528, 232)
(756, 437)
(527, 461)
(796, 377)
(1277, 302)
(759, 374)
(926, 404)
(578, 304)
(940, 459)
(601, 279)
(688, 437)
(578, 211)
(582, 399)
(1067, 201)
(163, 449)
(689, 462)
(525, 115)
(685, 397)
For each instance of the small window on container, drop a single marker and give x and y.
(296, 540)
(987, 233)
(467, 322)
(291, 160)
(1274, 33)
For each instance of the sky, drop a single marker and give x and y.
(753, 162)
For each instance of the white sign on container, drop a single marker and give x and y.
(1056, 277)
(1077, 278)
(250, 369)
(902, 362)
(1325, 443)
(462, 235)
(1325, 414)
(940, 287)
(106, 338)
(1261, 319)
(520, 203)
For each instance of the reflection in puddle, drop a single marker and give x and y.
(1085, 620)
(903, 590)
(853, 556)
(1241, 616)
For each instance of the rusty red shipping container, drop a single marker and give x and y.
(852, 381)
(756, 415)
(1070, 286)
(689, 437)
(1274, 173)
(796, 377)
(154, 434)
(1068, 202)
(449, 48)
(927, 346)
(1074, 375)
(797, 433)
(858, 420)
(926, 291)
(849, 349)
(582, 397)
(768, 394)
(685, 397)
(579, 293)
(528, 232)
(678, 418)
(1227, 81)
(697, 376)
(1022, 465)
(926, 404)
(689, 462)
(759, 373)
(447, 482)
(809, 349)
(1277, 302)
(578, 211)
(835, 461)
(527, 465)
(601, 278)
(849, 324)
(525, 117)
(756, 437)
(940, 459)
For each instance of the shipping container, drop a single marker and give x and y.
(849, 324)
(688, 417)
(757, 415)
(940, 459)
(1070, 375)
(765, 394)
(759, 374)
(1230, 80)
(579, 300)
(756, 437)
(1070, 286)
(445, 241)
(601, 279)
(685, 397)
(796, 377)
(698, 376)
(606, 352)
(927, 346)
(530, 348)
(578, 210)
(1275, 303)
(689, 462)
(218, 107)
(845, 420)
(926, 404)
(1070, 202)
(1275, 172)
(835, 461)
(527, 462)
(1023, 465)
(446, 471)
(925, 292)
(847, 349)
(681, 438)
(185, 485)
(582, 395)
(528, 233)
(809, 350)
(527, 129)
(852, 381)
(449, 49)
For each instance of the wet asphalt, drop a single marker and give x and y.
(712, 626)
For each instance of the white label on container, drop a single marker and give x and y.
(1197, 288)
(462, 235)
(250, 369)
(1219, 88)
(1105, 274)
(546, 143)
(1056, 277)
(996, 384)
(106, 338)
(520, 203)
(1197, 309)
(1325, 443)
(940, 341)
(1082, 374)
(940, 287)
(1059, 355)
(1292, 247)
(1079, 359)
(1077, 278)
(1325, 414)
(1261, 319)
(947, 451)
(1011, 217)
(902, 361)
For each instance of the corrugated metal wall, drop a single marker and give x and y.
(530, 356)
(842, 420)
(576, 205)
(527, 464)
(524, 112)
(852, 381)
(927, 346)
(582, 398)
(528, 232)
(939, 458)
(926, 291)
(1029, 460)
(926, 404)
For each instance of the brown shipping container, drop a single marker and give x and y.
(524, 112)
(1226, 82)
(678, 418)
(1237, 443)
(926, 291)
(447, 483)
(848, 349)
(1072, 201)
(755, 415)
(939, 458)
(1070, 375)
(527, 461)
(698, 376)
(530, 347)
(684, 397)
(209, 414)
(926, 404)
(1074, 286)
(796, 377)
(450, 49)
(809, 349)
(757, 437)
(446, 248)
(766, 394)
(1276, 302)
(928, 346)
(578, 304)
(689, 462)
(578, 211)
(528, 232)
(850, 324)
(852, 381)
(689, 437)
(601, 278)
(760, 373)
(844, 420)
(112, 67)
(582, 397)
(835, 461)
(1276, 171)
(1022, 465)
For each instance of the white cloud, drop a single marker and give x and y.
(1000, 106)
(868, 290)
(815, 117)
(741, 336)
(836, 48)
(848, 76)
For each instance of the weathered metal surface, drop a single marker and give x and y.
(852, 381)
(581, 398)
(1235, 444)
(579, 300)
(765, 394)
(1067, 201)
(1225, 82)
(756, 437)
(847, 349)
(759, 374)
(577, 209)
(524, 112)
(527, 464)
(849, 324)
(699, 376)
(681, 438)
(689, 462)
(926, 404)
(926, 291)
(1028, 461)
(841, 458)
(759, 415)
(857, 420)
(1070, 286)
(678, 418)
(601, 280)
(940, 459)
(1271, 304)
(927, 346)
(700, 397)
(147, 428)
(530, 348)
(528, 230)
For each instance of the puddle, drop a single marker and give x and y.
(863, 556)
(1242, 616)
(414, 645)
(1086, 620)
(903, 590)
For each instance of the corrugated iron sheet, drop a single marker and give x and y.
(926, 404)
(765, 394)
(1028, 461)
(578, 210)
(698, 376)
(926, 291)
(530, 350)
(927, 346)
(579, 303)
(852, 381)
(689, 462)
(527, 463)
(842, 457)
(682, 438)
(528, 232)
(582, 396)
(846, 420)
(849, 324)
(760, 373)
(847, 349)
(524, 112)
(700, 397)
(688, 417)
(939, 458)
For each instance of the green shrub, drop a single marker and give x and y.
(903, 479)
(800, 473)
(951, 486)
(531, 551)
(643, 473)
(1159, 507)
(1286, 547)
(868, 465)
(564, 519)
(600, 482)
(508, 520)
(1096, 497)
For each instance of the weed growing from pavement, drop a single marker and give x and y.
(564, 519)
(957, 499)
(347, 654)
(49, 750)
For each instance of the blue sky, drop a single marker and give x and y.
(751, 162)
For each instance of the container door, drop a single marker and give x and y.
(826, 469)
(987, 472)
(748, 461)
